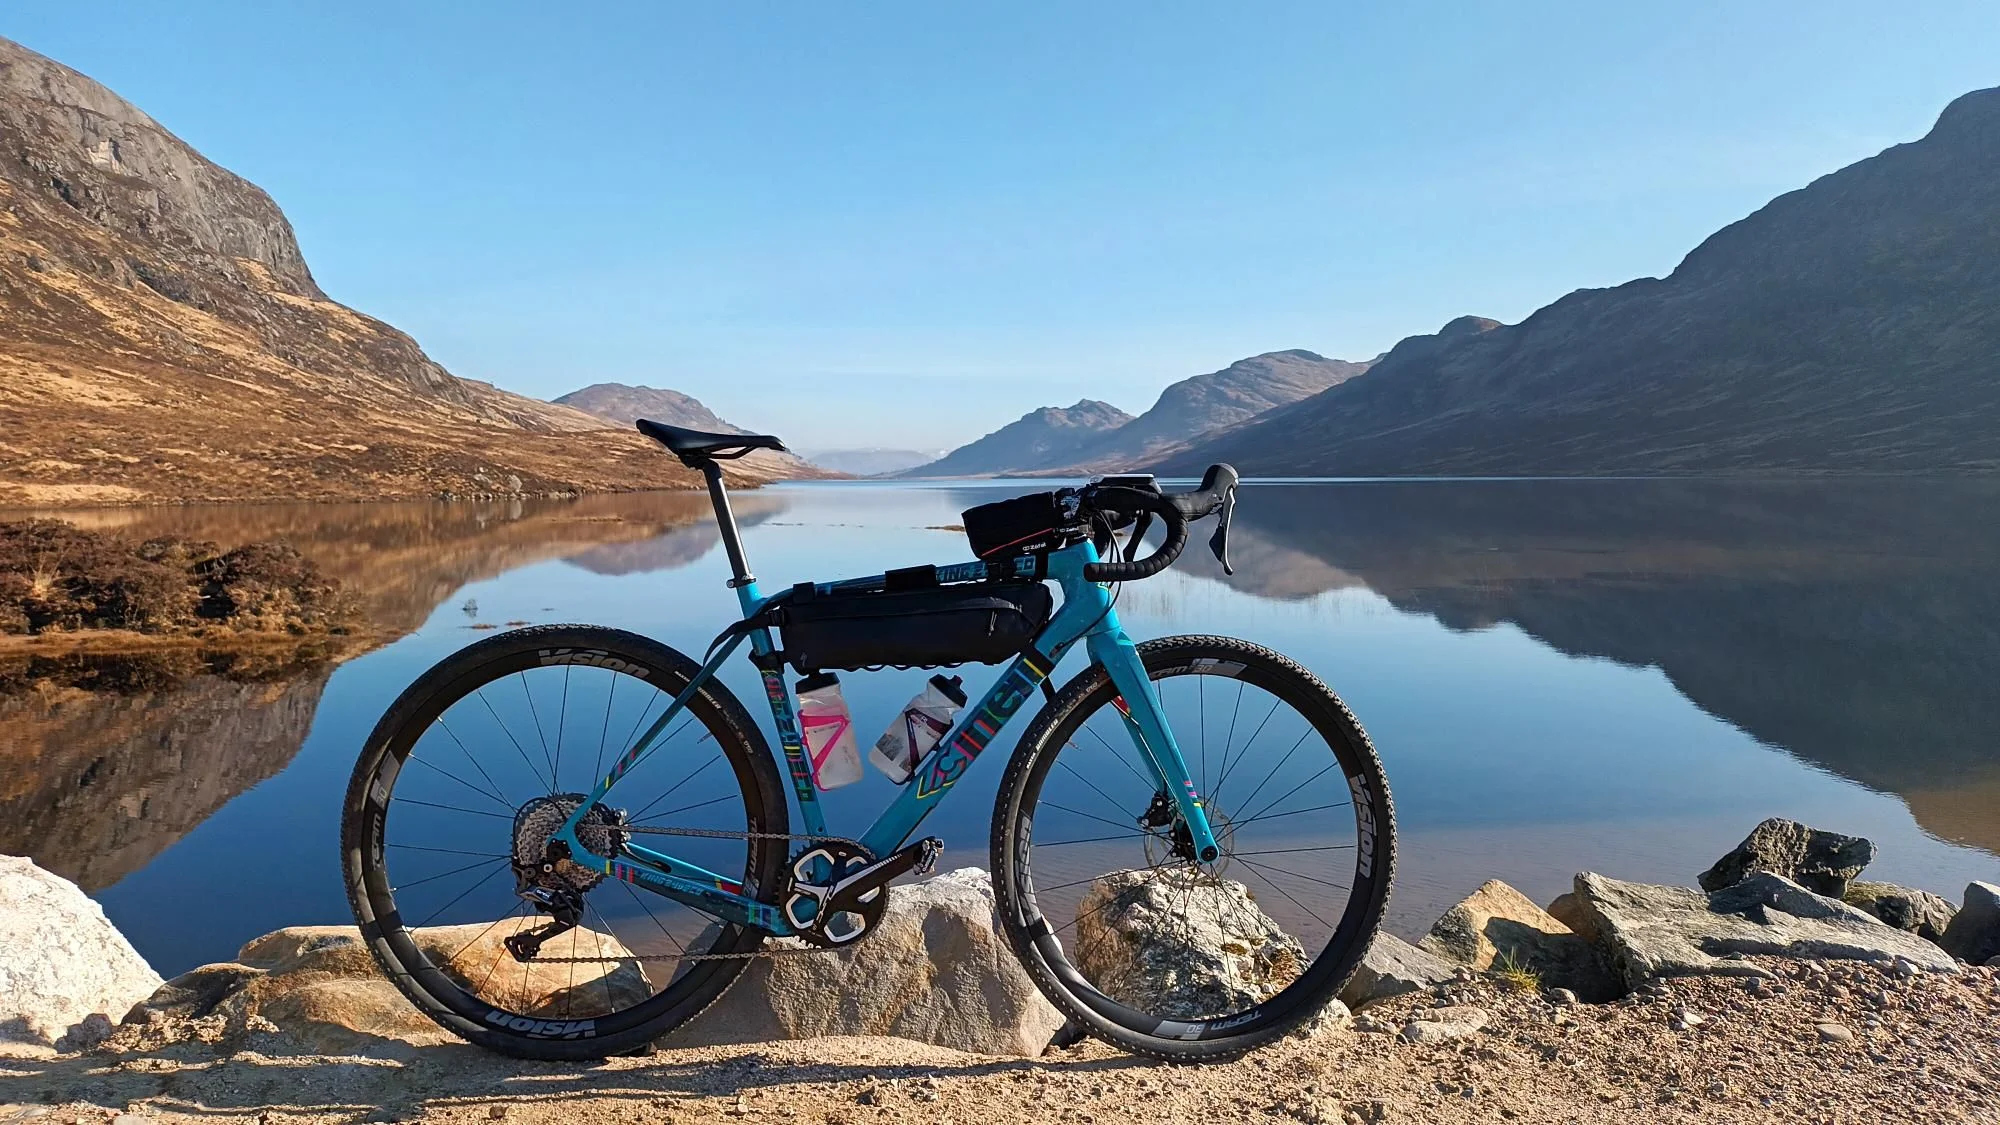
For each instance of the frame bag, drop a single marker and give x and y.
(970, 623)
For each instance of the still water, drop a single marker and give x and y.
(1621, 676)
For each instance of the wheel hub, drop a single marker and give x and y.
(545, 862)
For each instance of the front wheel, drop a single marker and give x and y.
(1122, 926)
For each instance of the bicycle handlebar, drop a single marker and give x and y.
(1124, 504)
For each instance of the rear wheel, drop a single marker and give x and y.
(472, 770)
(1100, 891)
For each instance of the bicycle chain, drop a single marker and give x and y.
(712, 834)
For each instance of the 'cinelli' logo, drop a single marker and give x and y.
(1006, 699)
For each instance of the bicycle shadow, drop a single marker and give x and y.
(393, 1080)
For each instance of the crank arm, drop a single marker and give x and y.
(848, 893)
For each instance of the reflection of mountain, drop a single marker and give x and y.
(674, 549)
(106, 763)
(95, 785)
(1857, 626)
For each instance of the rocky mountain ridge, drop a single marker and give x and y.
(1099, 442)
(1848, 326)
(1051, 435)
(161, 338)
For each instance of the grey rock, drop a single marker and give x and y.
(1393, 967)
(61, 960)
(1499, 927)
(1562, 996)
(936, 971)
(1822, 862)
(1974, 934)
(1651, 931)
(1919, 912)
(1444, 1024)
(1835, 1033)
(1182, 946)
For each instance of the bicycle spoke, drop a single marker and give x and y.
(1297, 875)
(562, 713)
(1294, 812)
(480, 692)
(597, 764)
(688, 808)
(539, 736)
(1295, 851)
(448, 874)
(1227, 769)
(1281, 765)
(1116, 807)
(449, 851)
(498, 791)
(1329, 767)
(1085, 815)
(450, 808)
(1293, 901)
(494, 797)
(1143, 779)
(454, 902)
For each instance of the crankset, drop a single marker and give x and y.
(839, 891)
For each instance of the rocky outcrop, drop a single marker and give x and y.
(65, 970)
(317, 989)
(1182, 945)
(1653, 931)
(163, 339)
(1906, 908)
(1392, 967)
(1822, 862)
(1974, 934)
(936, 970)
(1499, 927)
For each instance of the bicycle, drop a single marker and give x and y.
(1138, 916)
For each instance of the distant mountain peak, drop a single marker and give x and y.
(622, 404)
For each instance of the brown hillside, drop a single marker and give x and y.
(162, 339)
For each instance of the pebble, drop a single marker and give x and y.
(1562, 996)
(1687, 1020)
(496, 1113)
(1835, 1033)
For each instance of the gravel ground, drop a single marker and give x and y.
(1831, 1043)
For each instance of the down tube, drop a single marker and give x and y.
(957, 750)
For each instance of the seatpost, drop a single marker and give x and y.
(725, 522)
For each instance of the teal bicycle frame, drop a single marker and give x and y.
(1086, 614)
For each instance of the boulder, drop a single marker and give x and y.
(1821, 862)
(936, 970)
(1652, 931)
(321, 991)
(1974, 933)
(1393, 967)
(61, 959)
(1182, 945)
(1569, 911)
(1919, 912)
(1499, 927)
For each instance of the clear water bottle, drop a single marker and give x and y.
(827, 730)
(924, 720)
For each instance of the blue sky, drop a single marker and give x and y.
(905, 224)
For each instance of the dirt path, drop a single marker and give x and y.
(1841, 1044)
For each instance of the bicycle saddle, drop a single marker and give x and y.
(695, 446)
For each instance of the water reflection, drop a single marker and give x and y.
(1856, 625)
(106, 761)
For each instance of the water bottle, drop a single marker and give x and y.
(827, 731)
(924, 720)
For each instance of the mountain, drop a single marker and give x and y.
(161, 338)
(1049, 436)
(623, 405)
(1203, 403)
(1852, 325)
(871, 462)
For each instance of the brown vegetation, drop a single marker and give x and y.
(57, 578)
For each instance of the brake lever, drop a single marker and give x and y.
(1140, 527)
(1219, 542)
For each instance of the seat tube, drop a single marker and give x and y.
(1139, 703)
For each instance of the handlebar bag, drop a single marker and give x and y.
(1024, 525)
(969, 623)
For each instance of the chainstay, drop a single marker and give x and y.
(711, 834)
